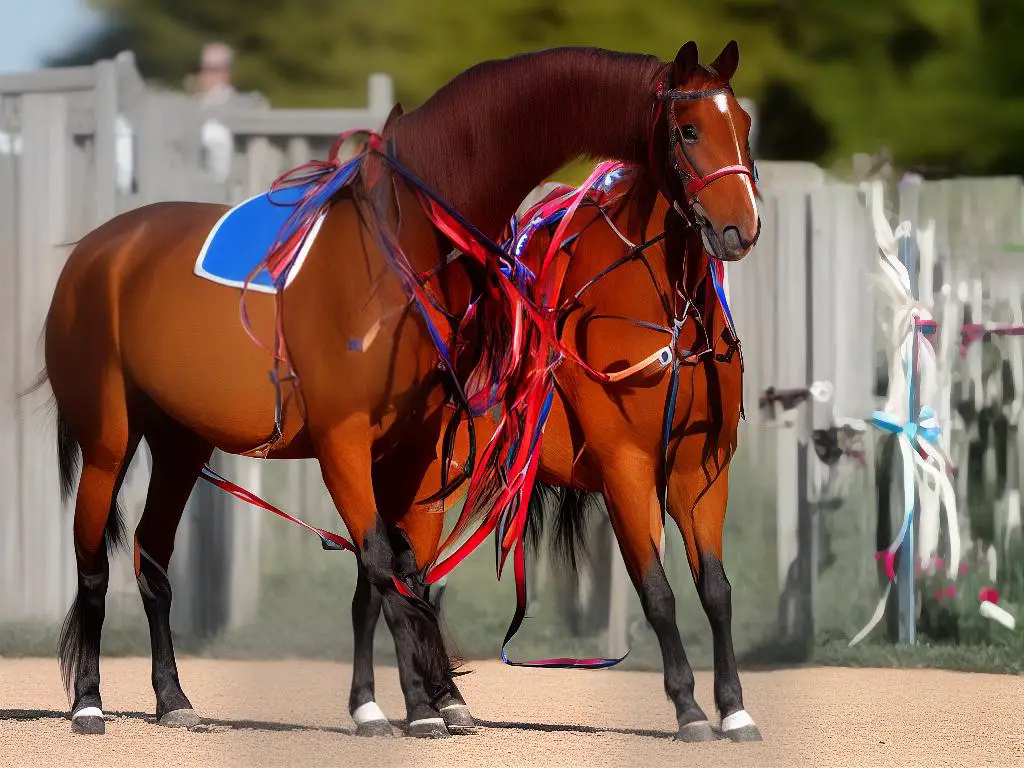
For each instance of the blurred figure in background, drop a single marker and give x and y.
(216, 90)
(216, 68)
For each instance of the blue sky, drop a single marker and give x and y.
(32, 29)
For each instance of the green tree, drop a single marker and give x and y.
(936, 81)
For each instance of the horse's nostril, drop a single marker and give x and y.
(732, 240)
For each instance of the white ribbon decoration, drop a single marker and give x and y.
(894, 282)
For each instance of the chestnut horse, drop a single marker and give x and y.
(607, 438)
(137, 346)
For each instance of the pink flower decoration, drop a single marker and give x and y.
(990, 594)
(939, 563)
(963, 569)
(950, 591)
(938, 593)
(890, 565)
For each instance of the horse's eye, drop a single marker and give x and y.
(690, 134)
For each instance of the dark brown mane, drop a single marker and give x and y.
(497, 130)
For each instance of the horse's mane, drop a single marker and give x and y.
(488, 136)
(519, 74)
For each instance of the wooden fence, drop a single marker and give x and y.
(804, 307)
(78, 146)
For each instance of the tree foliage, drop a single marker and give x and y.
(935, 81)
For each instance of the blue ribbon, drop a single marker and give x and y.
(720, 290)
(925, 427)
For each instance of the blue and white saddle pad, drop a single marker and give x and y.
(242, 238)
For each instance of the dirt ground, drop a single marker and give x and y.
(293, 713)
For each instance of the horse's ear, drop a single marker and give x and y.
(727, 62)
(686, 63)
(395, 113)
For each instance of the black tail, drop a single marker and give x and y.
(569, 540)
(80, 633)
(69, 459)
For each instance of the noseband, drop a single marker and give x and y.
(693, 180)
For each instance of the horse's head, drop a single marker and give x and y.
(707, 171)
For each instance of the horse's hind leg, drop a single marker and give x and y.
(178, 456)
(627, 490)
(106, 456)
(702, 533)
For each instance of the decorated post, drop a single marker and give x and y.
(908, 413)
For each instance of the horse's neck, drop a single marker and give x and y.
(489, 137)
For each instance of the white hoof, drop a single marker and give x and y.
(740, 726)
(371, 721)
(88, 720)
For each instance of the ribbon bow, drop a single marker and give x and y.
(926, 426)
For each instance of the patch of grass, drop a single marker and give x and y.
(1006, 658)
(121, 637)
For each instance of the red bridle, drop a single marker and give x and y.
(693, 180)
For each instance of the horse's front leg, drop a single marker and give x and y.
(702, 533)
(343, 449)
(628, 483)
(421, 530)
(367, 602)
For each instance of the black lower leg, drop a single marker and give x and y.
(659, 604)
(716, 597)
(422, 659)
(80, 647)
(452, 705)
(172, 705)
(366, 608)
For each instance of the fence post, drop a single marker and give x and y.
(380, 96)
(910, 194)
(106, 112)
(45, 543)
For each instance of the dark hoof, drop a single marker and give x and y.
(378, 728)
(430, 728)
(698, 731)
(180, 718)
(458, 718)
(746, 733)
(90, 724)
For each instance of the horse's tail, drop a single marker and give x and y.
(69, 457)
(568, 540)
